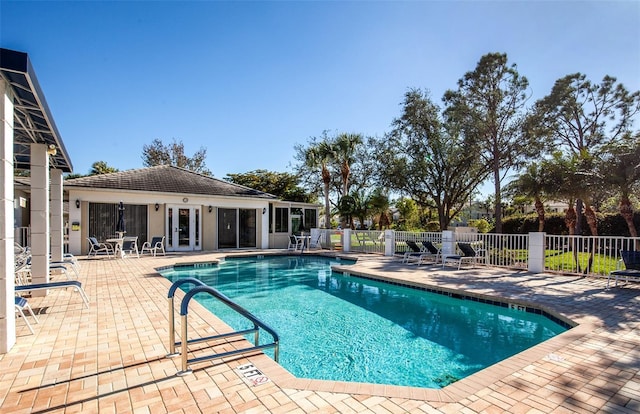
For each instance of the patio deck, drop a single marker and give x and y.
(111, 358)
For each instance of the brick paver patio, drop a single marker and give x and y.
(111, 358)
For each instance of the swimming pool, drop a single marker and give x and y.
(345, 328)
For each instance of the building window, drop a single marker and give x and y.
(282, 220)
(103, 220)
(310, 219)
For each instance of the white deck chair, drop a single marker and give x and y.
(21, 306)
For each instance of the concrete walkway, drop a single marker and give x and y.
(111, 358)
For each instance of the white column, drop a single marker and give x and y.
(448, 243)
(57, 222)
(389, 242)
(346, 240)
(536, 252)
(7, 291)
(40, 235)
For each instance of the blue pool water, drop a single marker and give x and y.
(343, 328)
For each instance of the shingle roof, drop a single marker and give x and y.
(166, 179)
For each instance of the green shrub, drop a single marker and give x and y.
(608, 224)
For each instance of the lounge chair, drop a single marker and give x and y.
(21, 306)
(96, 248)
(469, 255)
(23, 269)
(414, 254)
(295, 243)
(631, 260)
(431, 253)
(76, 285)
(155, 246)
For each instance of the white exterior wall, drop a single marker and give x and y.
(151, 198)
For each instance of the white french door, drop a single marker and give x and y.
(183, 228)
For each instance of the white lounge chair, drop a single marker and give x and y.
(76, 285)
(469, 255)
(21, 306)
(631, 272)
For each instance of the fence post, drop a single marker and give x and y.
(448, 243)
(389, 242)
(346, 240)
(536, 252)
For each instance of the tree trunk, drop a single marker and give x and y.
(540, 211)
(498, 195)
(626, 211)
(570, 219)
(326, 180)
(578, 223)
(592, 220)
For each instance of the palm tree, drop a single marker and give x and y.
(101, 167)
(380, 206)
(344, 149)
(318, 157)
(619, 169)
(533, 184)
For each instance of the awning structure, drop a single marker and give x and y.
(33, 122)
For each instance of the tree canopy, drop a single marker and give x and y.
(283, 185)
(158, 153)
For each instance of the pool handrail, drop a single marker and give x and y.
(184, 311)
(172, 319)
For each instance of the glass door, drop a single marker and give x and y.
(183, 228)
(236, 228)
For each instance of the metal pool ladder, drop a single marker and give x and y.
(201, 287)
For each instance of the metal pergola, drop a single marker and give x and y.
(33, 122)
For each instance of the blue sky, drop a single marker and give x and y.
(249, 80)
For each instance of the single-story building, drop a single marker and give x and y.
(193, 211)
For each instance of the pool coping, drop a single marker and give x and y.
(452, 393)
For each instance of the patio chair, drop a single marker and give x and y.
(631, 260)
(130, 246)
(295, 243)
(96, 248)
(21, 306)
(76, 285)
(315, 242)
(469, 255)
(155, 246)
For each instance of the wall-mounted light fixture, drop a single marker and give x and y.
(77, 203)
(264, 210)
(210, 209)
(157, 206)
(52, 150)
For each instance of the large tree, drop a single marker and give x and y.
(158, 153)
(620, 170)
(428, 160)
(283, 185)
(585, 118)
(488, 106)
